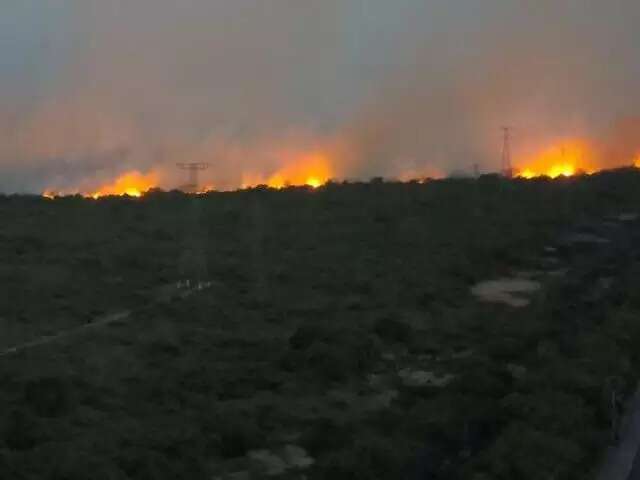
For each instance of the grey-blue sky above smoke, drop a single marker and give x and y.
(91, 88)
(35, 41)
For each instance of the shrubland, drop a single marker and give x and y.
(320, 298)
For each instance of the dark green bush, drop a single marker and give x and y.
(142, 464)
(49, 396)
(326, 434)
(73, 465)
(306, 335)
(22, 430)
(393, 330)
(237, 433)
(368, 459)
(332, 354)
(526, 453)
(330, 362)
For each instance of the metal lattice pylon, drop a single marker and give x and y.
(507, 168)
(193, 170)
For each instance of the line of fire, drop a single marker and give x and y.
(566, 158)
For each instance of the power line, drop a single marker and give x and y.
(193, 170)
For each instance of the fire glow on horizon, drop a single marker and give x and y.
(566, 159)
(563, 159)
(132, 184)
(312, 170)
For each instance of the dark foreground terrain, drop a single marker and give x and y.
(338, 339)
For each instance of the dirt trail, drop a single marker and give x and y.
(105, 320)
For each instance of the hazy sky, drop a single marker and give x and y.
(91, 88)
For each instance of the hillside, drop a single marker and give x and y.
(338, 338)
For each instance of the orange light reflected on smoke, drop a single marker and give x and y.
(205, 190)
(566, 159)
(314, 182)
(421, 175)
(312, 170)
(133, 184)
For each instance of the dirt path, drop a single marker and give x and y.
(103, 320)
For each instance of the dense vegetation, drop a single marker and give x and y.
(320, 298)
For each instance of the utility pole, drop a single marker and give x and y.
(507, 168)
(193, 170)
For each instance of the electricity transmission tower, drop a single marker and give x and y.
(507, 168)
(192, 263)
(193, 170)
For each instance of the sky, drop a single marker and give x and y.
(94, 88)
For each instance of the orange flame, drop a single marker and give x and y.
(313, 170)
(133, 184)
(53, 194)
(205, 190)
(563, 160)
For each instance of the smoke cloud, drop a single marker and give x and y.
(97, 88)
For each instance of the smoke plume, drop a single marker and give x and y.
(97, 88)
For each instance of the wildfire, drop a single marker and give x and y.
(314, 182)
(563, 160)
(133, 184)
(313, 170)
(205, 190)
